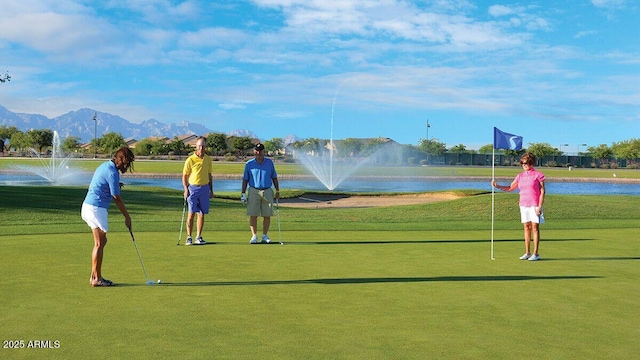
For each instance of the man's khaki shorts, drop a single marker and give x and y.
(260, 202)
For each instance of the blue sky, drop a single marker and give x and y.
(561, 72)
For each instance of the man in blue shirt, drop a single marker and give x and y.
(260, 175)
(104, 187)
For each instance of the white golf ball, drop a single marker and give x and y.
(159, 281)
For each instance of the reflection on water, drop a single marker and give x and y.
(79, 179)
(356, 185)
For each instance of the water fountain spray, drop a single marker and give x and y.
(55, 169)
(323, 167)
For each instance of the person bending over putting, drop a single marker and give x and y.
(197, 182)
(531, 185)
(104, 187)
(260, 175)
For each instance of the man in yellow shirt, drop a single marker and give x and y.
(197, 182)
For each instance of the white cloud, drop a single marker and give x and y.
(10, 8)
(232, 106)
(445, 55)
(535, 23)
(586, 33)
(67, 37)
(609, 4)
(398, 21)
(624, 58)
(159, 11)
(213, 37)
(500, 10)
(521, 16)
(80, 35)
(285, 114)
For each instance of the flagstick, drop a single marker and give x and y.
(501, 140)
(493, 177)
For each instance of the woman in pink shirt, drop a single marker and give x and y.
(530, 182)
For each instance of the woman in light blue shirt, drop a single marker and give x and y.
(104, 187)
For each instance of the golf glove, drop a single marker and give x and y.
(243, 198)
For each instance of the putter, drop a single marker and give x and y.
(278, 217)
(184, 207)
(147, 281)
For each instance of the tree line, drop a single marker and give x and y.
(5, 77)
(623, 150)
(219, 144)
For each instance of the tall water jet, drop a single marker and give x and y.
(321, 163)
(55, 169)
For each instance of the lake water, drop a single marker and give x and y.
(358, 185)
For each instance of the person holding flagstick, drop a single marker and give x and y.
(530, 182)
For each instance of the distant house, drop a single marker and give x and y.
(158, 138)
(188, 140)
(131, 142)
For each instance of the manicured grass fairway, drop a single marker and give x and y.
(223, 168)
(404, 282)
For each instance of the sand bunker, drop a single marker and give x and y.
(362, 201)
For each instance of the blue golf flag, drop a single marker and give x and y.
(503, 140)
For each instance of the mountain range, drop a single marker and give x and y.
(80, 124)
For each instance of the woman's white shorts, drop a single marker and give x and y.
(528, 214)
(95, 217)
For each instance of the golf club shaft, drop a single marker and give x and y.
(139, 257)
(184, 207)
(278, 216)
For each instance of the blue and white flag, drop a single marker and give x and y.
(503, 140)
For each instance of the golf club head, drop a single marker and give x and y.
(149, 282)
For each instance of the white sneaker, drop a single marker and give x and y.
(265, 239)
(189, 241)
(200, 241)
(534, 258)
(254, 240)
(525, 257)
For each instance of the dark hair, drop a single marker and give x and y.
(528, 158)
(123, 158)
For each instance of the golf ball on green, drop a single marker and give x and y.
(159, 281)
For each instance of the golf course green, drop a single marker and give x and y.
(387, 282)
